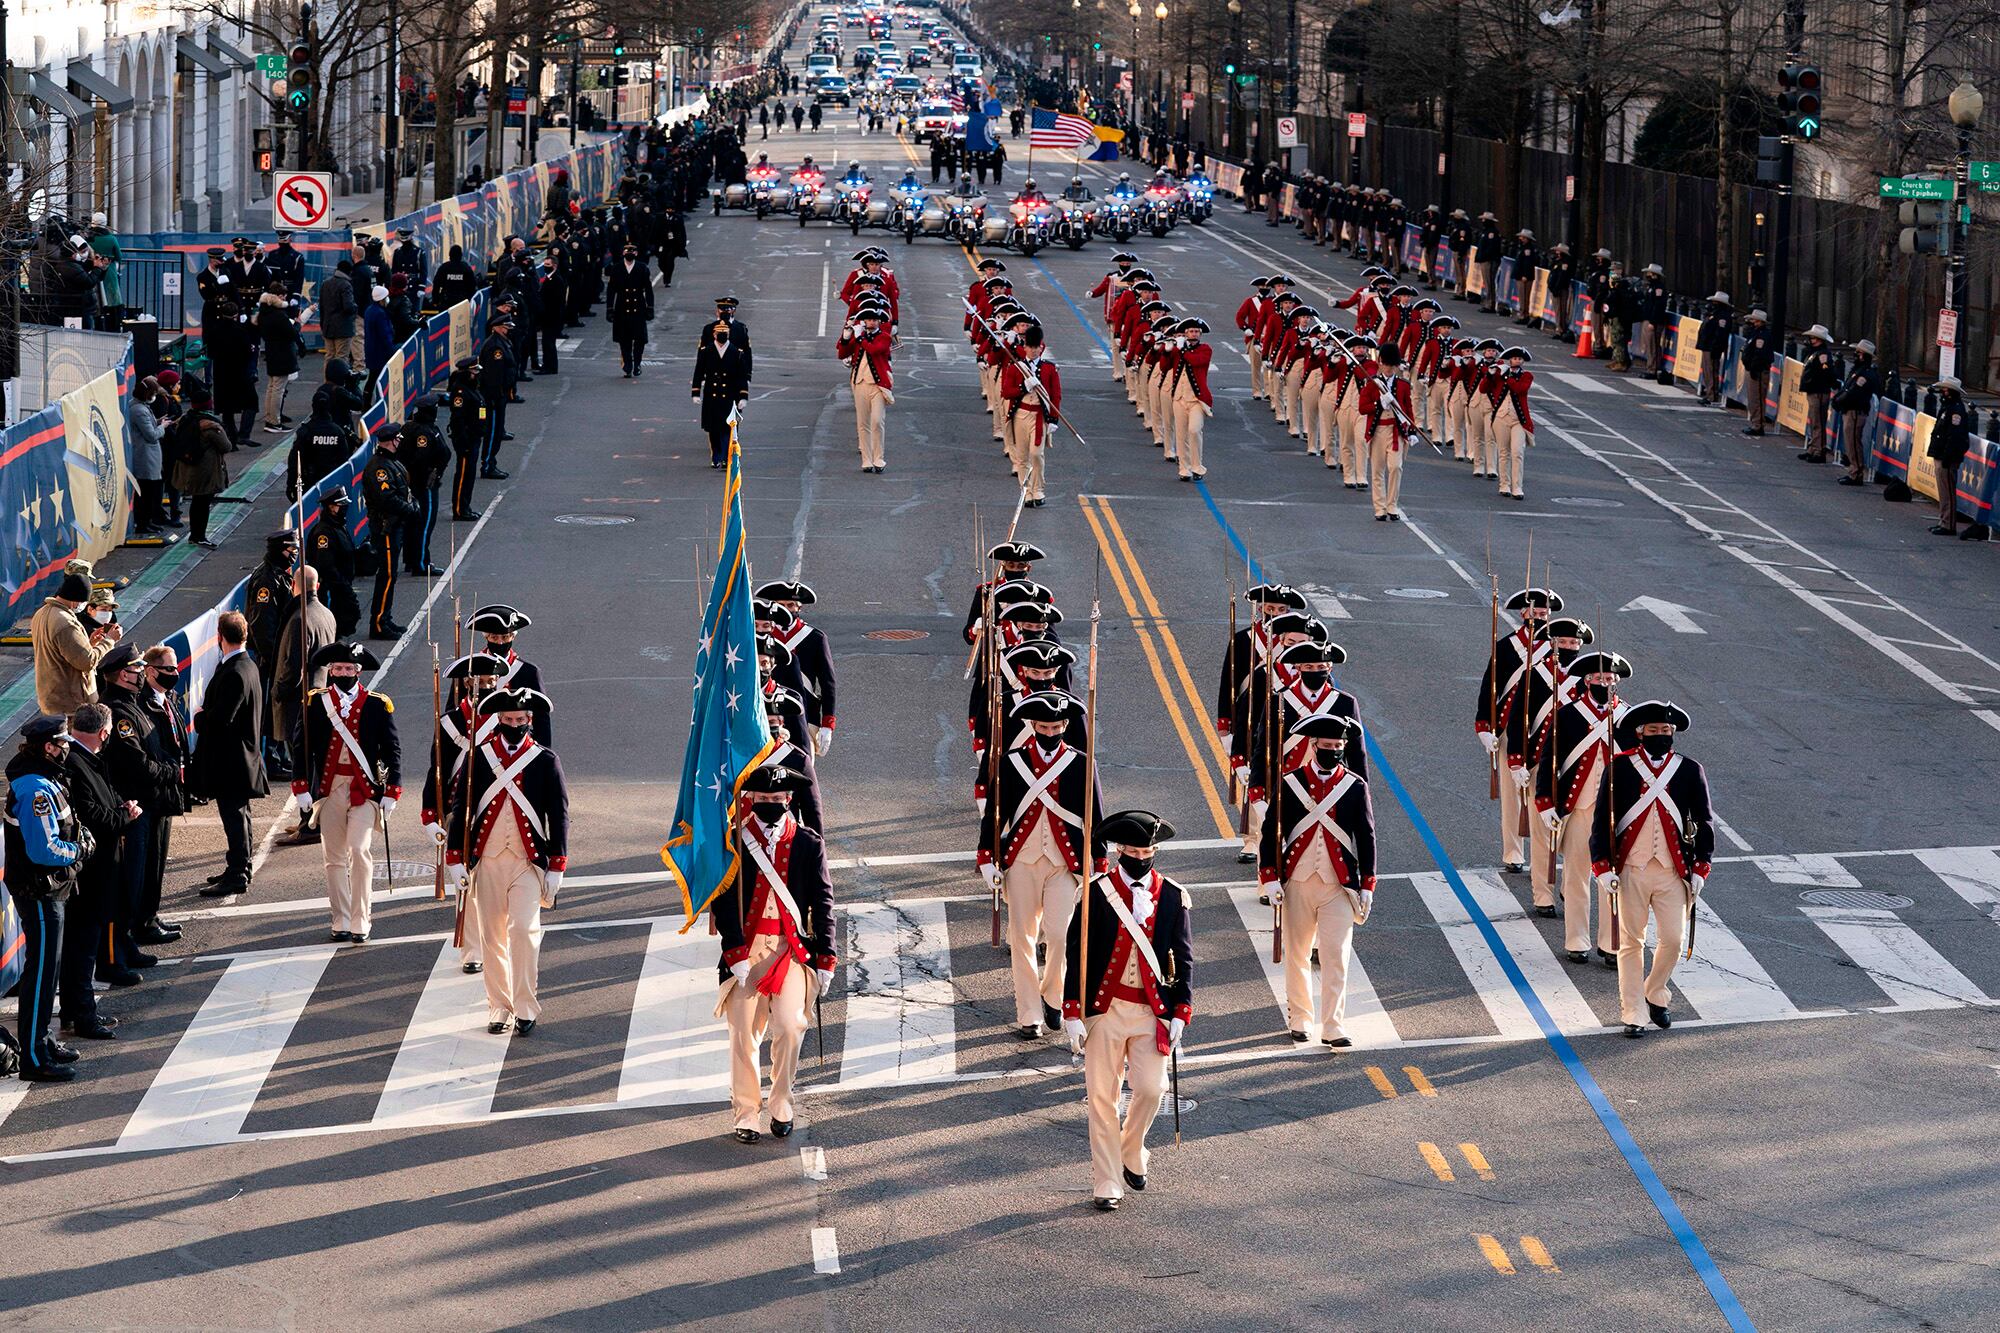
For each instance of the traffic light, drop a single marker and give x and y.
(1774, 160)
(263, 150)
(621, 75)
(300, 80)
(1924, 230)
(1799, 99)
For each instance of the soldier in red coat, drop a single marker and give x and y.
(1193, 403)
(1032, 389)
(864, 346)
(1386, 409)
(1249, 318)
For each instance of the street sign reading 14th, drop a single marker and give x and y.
(1915, 187)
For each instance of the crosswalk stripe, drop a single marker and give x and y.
(208, 1085)
(1664, 390)
(1820, 872)
(1585, 383)
(1566, 1005)
(900, 1020)
(1368, 1023)
(676, 1049)
(1910, 972)
(448, 1067)
(1724, 981)
(1973, 873)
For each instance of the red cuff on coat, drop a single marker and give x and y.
(558, 863)
(1184, 1012)
(731, 957)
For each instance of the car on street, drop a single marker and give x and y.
(933, 119)
(833, 90)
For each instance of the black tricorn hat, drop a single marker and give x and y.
(787, 590)
(336, 653)
(476, 664)
(1591, 664)
(1326, 727)
(1277, 592)
(1569, 627)
(771, 648)
(517, 698)
(1540, 597)
(1045, 706)
(784, 702)
(498, 618)
(1135, 828)
(1652, 710)
(1022, 553)
(1042, 613)
(773, 778)
(1039, 655)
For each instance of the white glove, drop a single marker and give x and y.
(1275, 891)
(1549, 819)
(1489, 741)
(305, 800)
(1260, 807)
(551, 882)
(1073, 1030)
(1175, 1026)
(1610, 882)
(1365, 900)
(822, 741)
(825, 981)
(454, 875)
(388, 804)
(1517, 772)
(741, 971)
(991, 874)
(435, 832)
(1699, 882)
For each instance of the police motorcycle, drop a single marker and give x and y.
(1031, 220)
(907, 205)
(1119, 214)
(1076, 215)
(760, 191)
(1159, 208)
(1200, 198)
(965, 214)
(851, 194)
(806, 186)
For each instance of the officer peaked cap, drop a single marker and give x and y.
(43, 728)
(1542, 597)
(1278, 592)
(476, 664)
(1045, 706)
(1590, 664)
(1326, 727)
(1040, 655)
(1024, 553)
(771, 611)
(771, 648)
(771, 779)
(334, 496)
(1652, 710)
(1570, 627)
(1135, 828)
(499, 618)
(335, 654)
(788, 590)
(115, 661)
(518, 698)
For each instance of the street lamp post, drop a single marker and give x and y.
(1965, 105)
(1242, 57)
(1160, 65)
(1132, 97)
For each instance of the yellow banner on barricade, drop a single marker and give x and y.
(100, 484)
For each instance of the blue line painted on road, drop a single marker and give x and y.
(1607, 1115)
(1088, 327)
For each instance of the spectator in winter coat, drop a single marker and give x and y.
(66, 654)
(278, 331)
(339, 314)
(380, 333)
(148, 464)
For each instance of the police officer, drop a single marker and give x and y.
(468, 435)
(386, 492)
(628, 306)
(455, 281)
(267, 604)
(322, 444)
(45, 845)
(330, 550)
(407, 257)
(424, 455)
(499, 369)
(285, 264)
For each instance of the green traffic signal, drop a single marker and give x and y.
(1229, 68)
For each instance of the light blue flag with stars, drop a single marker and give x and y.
(729, 736)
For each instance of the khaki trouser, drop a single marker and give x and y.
(1385, 468)
(1510, 448)
(1190, 421)
(341, 349)
(470, 951)
(1510, 810)
(749, 1015)
(1258, 383)
(1754, 386)
(274, 398)
(508, 888)
(1032, 449)
(1317, 912)
(1117, 361)
(1541, 857)
(1326, 408)
(1041, 898)
(1577, 877)
(1854, 439)
(1253, 822)
(989, 384)
(1816, 425)
(1294, 383)
(1708, 382)
(871, 402)
(1456, 424)
(1353, 449)
(1158, 415)
(1653, 888)
(1122, 1041)
(1018, 428)
(1479, 429)
(346, 842)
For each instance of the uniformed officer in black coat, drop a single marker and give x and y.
(424, 455)
(267, 604)
(386, 491)
(721, 385)
(330, 550)
(322, 444)
(455, 281)
(628, 305)
(499, 369)
(285, 264)
(552, 292)
(671, 243)
(468, 435)
(409, 258)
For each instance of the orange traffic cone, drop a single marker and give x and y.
(1583, 332)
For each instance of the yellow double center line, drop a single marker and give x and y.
(1127, 576)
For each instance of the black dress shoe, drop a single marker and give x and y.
(1579, 955)
(1297, 1035)
(1851, 481)
(95, 1028)
(119, 977)
(1103, 1205)
(341, 936)
(1029, 1032)
(1546, 909)
(1663, 1017)
(356, 937)
(1608, 960)
(1246, 858)
(467, 516)
(473, 969)
(141, 959)
(228, 888)
(47, 1074)
(152, 934)
(1514, 867)
(747, 1136)
(1633, 1031)
(494, 474)
(1051, 1017)
(525, 1027)
(1339, 1043)
(1134, 1179)
(498, 1026)
(781, 1129)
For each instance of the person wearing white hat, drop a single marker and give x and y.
(1856, 403)
(1951, 440)
(1818, 378)
(1712, 342)
(1760, 349)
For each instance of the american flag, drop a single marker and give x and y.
(958, 104)
(1059, 129)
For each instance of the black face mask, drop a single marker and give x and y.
(1136, 867)
(1327, 756)
(1311, 679)
(1599, 693)
(768, 811)
(1657, 746)
(1048, 743)
(1566, 655)
(167, 679)
(513, 735)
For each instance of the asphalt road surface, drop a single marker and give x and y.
(290, 1134)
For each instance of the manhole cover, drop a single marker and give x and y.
(1587, 502)
(1856, 898)
(403, 872)
(897, 635)
(595, 520)
(1417, 594)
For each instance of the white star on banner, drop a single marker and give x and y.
(716, 786)
(734, 700)
(729, 657)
